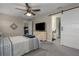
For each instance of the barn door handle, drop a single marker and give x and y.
(61, 28)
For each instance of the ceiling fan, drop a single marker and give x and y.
(29, 11)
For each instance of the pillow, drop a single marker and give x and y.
(30, 36)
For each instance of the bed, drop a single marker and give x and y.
(17, 45)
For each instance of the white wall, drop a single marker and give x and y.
(48, 22)
(70, 32)
(6, 21)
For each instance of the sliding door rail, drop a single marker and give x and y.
(64, 10)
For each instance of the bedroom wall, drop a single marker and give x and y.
(7, 20)
(48, 33)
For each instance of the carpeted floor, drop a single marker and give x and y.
(50, 49)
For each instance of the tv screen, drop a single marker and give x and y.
(40, 27)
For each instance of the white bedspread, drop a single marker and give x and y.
(5, 47)
(18, 45)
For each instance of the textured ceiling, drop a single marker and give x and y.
(46, 8)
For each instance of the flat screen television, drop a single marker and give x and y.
(40, 26)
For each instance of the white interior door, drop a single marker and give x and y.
(58, 25)
(58, 31)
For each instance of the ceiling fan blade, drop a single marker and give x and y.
(25, 13)
(36, 10)
(27, 5)
(21, 9)
(33, 13)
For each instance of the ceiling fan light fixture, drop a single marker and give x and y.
(29, 14)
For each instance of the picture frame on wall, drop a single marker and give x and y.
(13, 26)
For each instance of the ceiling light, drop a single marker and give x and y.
(28, 14)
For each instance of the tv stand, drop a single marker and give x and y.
(41, 35)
